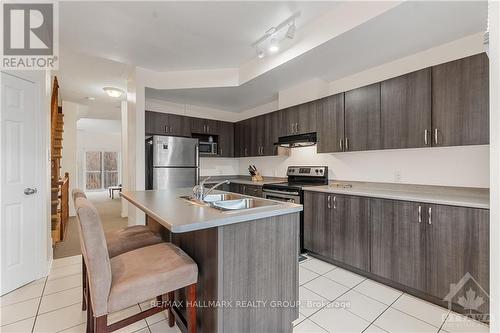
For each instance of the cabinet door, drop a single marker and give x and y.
(318, 231)
(253, 190)
(213, 126)
(235, 188)
(406, 110)
(306, 118)
(398, 249)
(362, 118)
(256, 134)
(289, 119)
(458, 243)
(198, 125)
(156, 123)
(226, 139)
(271, 133)
(178, 125)
(460, 102)
(330, 123)
(350, 230)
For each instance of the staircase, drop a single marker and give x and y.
(59, 185)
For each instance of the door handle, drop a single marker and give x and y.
(426, 135)
(30, 191)
(430, 215)
(166, 128)
(328, 201)
(341, 145)
(292, 127)
(436, 136)
(346, 144)
(334, 202)
(419, 214)
(296, 128)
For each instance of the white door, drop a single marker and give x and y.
(18, 181)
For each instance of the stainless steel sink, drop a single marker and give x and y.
(229, 201)
(244, 203)
(221, 197)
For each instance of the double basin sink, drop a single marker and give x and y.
(230, 201)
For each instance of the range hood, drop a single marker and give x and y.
(295, 141)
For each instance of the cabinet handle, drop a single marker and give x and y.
(170, 128)
(341, 145)
(297, 128)
(436, 136)
(430, 215)
(346, 144)
(245, 152)
(419, 214)
(166, 128)
(220, 151)
(292, 127)
(426, 135)
(328, 200)
(334, 202)
(208, 128)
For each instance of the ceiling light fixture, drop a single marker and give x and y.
(273, 45)
(273, 36)
(90, 98)
(113, 92)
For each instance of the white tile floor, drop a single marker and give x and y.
(53, 304)
(332, 300)
(335, 300)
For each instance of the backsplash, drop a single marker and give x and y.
(449, 166)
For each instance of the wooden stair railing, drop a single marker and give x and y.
(59, 187)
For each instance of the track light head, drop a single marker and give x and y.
(290, 33)
(273, 45)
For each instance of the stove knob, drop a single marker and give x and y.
(317, 170)
(321, 171)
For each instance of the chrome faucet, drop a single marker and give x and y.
(199, 190)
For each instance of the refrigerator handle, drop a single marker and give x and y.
(197, 159)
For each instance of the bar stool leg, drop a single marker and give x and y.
(84, 285)
(101, 324)
(171, 319)
(191, 308)
(90, 313)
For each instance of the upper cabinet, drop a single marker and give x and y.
(205, 126)
(299, 119)
(226, 139)
(362, 118)
(330, 123)
(405, 103)
(460, 102)
(166, 124)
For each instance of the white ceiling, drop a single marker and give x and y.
(173, 35)
(404, 30)
(102, 41)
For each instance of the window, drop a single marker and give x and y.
(101, 170)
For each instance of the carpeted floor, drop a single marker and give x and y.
(108, 209)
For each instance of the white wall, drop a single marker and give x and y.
(69, 153)
(450, 166)
(94, 141)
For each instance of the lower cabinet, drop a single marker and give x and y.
(426, 247)
(398, 242)
(251, 190)
(336, 226)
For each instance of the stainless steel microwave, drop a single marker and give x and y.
(208, 148)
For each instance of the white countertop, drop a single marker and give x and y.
(247, 180)
(444, 195)
(179, 215)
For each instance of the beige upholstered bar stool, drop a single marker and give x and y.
(118, 242)
(131, 277)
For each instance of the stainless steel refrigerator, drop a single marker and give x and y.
(171, 162)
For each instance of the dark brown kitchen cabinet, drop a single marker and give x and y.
(351, 230)
(330, 123)
(457, 244)
(318, 221)
(337, 227)
(226, 139)
(405, 104)
(398, 242)
(167, 124)
(245, 189)
(243, 132)
(362, 118)
(257, 130)
(299, 119)
(271, 133)
(460, 102)
(204, 126)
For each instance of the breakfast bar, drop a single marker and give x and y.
(247, 257)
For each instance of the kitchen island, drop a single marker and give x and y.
(247, 259)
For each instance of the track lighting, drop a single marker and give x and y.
(273, 36)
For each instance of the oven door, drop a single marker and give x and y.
(281, 196)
